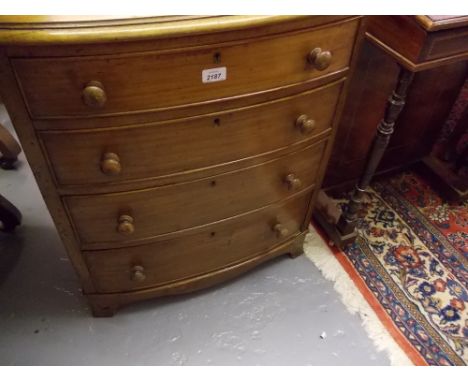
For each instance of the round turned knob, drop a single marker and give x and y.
(293, 182)
(305, 124)
(281, 230)
(138, 273)
(125, 225)
(94, 95)
(110, 164)
(320, 59)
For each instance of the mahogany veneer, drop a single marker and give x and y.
(159, 179)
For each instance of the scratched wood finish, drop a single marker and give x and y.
(217, 246)
(139, 82)
(158, 211)
(156, 150)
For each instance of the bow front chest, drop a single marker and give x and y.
(175, 152)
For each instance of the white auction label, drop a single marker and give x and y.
(214, 75)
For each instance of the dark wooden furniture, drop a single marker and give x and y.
(175, 152)
(9, 149)
(447, 163)
(10, 216)
(416, 43)
(428, 103)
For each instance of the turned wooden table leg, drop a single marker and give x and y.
(344, 232)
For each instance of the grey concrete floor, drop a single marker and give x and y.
(273, 315)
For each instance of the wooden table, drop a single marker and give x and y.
(416, 43)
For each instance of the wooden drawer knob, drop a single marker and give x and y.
(280, 230)
(320, 59)
(138, 273)
(110, 164)
(305, 124)
(125, 225)
(293, 182)
(94, 95)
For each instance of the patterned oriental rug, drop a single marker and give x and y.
(407, 274)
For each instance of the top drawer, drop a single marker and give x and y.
(101, 85)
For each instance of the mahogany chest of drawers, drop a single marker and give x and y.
(175, 152)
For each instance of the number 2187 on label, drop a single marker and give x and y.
(214, 75)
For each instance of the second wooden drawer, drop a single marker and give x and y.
(117, 155)
(120, 219)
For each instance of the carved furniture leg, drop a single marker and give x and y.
(344, 231)
(9, 149)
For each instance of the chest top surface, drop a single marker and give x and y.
(60, 30)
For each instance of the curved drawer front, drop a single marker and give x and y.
(125, 218)
(156, 150)
(191, 255)
(83, 86)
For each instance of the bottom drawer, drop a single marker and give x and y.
(214, 247)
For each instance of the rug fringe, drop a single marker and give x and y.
(318, 252)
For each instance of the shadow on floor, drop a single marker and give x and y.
(11, 248)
